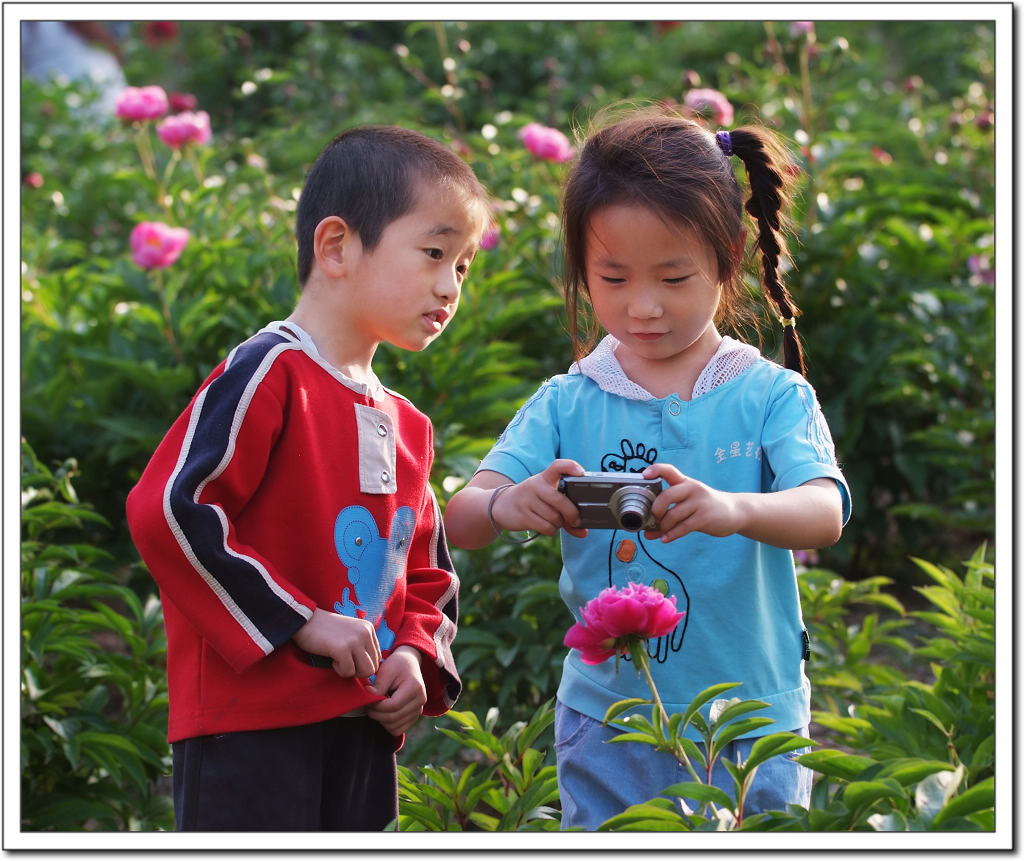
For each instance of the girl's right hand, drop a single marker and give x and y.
(537, 505)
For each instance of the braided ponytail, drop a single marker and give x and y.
(769, 202)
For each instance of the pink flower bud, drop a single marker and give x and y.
(181, 129)
(156, 245)
(34, 180)
(141, 103)
(546, 143)
(183, 102)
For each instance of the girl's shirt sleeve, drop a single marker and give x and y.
(797, 442)
(531, 440)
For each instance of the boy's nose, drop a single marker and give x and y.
(447, 288)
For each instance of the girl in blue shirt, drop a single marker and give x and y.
(655, 237)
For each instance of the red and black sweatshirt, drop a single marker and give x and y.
(286, 486)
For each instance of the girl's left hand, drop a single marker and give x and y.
(688, 505)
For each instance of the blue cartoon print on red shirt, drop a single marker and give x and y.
(374, 564)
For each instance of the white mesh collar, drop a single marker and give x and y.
(731, 358)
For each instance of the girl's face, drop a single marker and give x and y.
(654, 286)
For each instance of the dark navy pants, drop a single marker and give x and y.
(338, 775)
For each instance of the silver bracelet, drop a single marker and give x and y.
(497, 529)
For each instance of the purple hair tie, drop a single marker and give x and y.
(724, 142)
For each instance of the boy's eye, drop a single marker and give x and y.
(435, 253)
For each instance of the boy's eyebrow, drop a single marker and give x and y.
(442, 230)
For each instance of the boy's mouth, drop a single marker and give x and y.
(437, 318)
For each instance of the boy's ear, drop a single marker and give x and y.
(331, 240)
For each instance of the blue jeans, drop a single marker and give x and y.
(597, 780)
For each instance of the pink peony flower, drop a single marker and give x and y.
(188, 127)
(34, 180)
(546, 143)
(156, 245)
(142, 103)
(711, 102)
(490, 238)
(617, 618)
(183, 102)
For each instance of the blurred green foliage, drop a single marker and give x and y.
(93, 690)
(893, 269)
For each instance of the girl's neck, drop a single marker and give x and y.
(674, 375)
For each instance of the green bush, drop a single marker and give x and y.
(912, 756)
(93, 688)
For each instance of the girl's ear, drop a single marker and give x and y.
(332, 240)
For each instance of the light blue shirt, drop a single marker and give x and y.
(759, 431)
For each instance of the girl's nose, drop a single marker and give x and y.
(645, 306)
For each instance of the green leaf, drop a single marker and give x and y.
(738, 728)
(621, 706)
(862, 794)
(634, 736)
(772, 745)
(736, 709)
(977, 799)
(659, 814)
(834, 763)
(701, 793)
(704, 697)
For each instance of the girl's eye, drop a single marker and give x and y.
(435, 253)
(678, 280)
(608, 279)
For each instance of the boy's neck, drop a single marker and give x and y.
(349, 352)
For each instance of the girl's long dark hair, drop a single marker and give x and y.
(675, 166)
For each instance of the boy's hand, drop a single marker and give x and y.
(400, 680)
(350, 643)
(538, 505)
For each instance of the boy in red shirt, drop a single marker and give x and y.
(287, 516)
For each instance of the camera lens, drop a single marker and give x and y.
(631, 507)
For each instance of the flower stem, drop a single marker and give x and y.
(643, 664)
(145, 150)
(640, 658)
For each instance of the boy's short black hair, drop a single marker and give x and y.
(368, 176)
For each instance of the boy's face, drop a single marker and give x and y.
(410, 283)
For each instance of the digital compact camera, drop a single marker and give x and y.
(613, 500)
